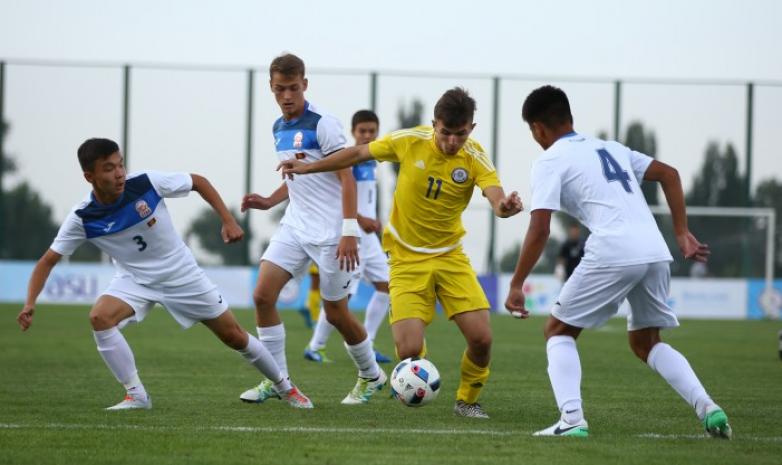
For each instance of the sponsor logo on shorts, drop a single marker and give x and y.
(459, 175)
(346, 285)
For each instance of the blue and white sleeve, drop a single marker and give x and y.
(639, 163)
(171, 184)
(546, 186)
(70, 236)
(331, 135)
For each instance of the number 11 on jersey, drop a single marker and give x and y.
(432, 182)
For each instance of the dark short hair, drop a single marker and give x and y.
(93, 150)
(288, 65)
(455, 108)
(547, 105)
(363, 116)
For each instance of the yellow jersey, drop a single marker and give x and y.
(432, 190)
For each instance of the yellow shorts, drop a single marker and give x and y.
(417, 283)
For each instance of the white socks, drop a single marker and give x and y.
(377, 307)
(260, 358)
(364, 358)
(273, 339)
(321, 333)
(564, 371)
(115, 351)
(675, 369)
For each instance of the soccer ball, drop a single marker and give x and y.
(415, 382)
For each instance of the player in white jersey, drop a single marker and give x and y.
(126, 217)
(599, 183)
(319, 225)
(373, 263)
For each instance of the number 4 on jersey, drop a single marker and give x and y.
(613, 171)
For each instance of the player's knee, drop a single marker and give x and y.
(480, 343)
(100, 321)
(263, 299)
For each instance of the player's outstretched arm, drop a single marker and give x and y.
(534, 243)
(503, 206)
(35, 286)
(671, 183)
(347, 250)
(231, 231)
(260, 202)
(336, 161)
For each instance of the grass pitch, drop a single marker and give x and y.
(54, 386)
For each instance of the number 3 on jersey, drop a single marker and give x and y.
(140, 242)
(613, 171)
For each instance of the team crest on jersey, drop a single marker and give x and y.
(143, 209)
(301, 156)
(297, 140)
(459, 175)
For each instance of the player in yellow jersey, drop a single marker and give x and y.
(440, 165)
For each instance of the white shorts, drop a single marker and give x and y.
(373, 262)
(592, 295)
(190, 303)
(293, 255)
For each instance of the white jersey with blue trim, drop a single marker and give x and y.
(599, 183)
(136, 231)
(315, 208)
(366, 188)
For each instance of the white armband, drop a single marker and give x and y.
(350, 227)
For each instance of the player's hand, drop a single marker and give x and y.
(510, 205)
(692, 249)
(515, 303)
(231, 232)
(25, 318)
(291, 167)
(257, 202)
(369, 225)
(347, 253)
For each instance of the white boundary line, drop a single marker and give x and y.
(326, 430)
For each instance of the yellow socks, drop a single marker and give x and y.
(313, 304)
(472, 381)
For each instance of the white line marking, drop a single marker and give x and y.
(705, 436)
(326, 430)
(269, 429)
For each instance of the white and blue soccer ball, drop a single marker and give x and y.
(415, 382)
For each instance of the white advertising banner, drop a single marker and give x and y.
(82, 283)
(690, 298)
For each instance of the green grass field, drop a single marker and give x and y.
(54, 386)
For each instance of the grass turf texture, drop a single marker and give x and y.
(54, 386)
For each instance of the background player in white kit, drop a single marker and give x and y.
(127, 218)
(598, 183)
(373, 263)
(319, 225)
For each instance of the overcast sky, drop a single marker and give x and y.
(195, 121)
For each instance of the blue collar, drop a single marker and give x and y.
(570, 134)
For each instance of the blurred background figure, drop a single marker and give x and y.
(570, 253)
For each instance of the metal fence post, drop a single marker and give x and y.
(125, 112)
(2, 159)
(750, 111)
(495, 133)
(248, 159)
(617, 109)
